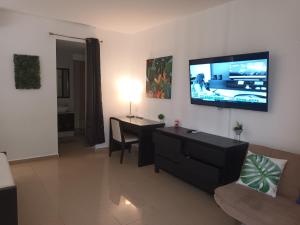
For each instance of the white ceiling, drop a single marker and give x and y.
(127, 16)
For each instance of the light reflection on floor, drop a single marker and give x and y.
(87, 188)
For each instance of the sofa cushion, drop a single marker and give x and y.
(261, 173)
(289, 185)
(252, 207)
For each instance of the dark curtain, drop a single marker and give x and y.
(79, 104)
(94, 111)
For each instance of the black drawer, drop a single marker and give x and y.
(205, 153)
(167, 147)
(202, 175)
(166, 164)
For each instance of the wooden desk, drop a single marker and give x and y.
(143, 128)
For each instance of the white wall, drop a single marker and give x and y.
(28, 118)
(28, 126)
(116, 62)
(238, 27)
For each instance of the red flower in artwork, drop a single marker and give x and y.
(158, 94)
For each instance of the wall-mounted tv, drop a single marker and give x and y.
(236, 81)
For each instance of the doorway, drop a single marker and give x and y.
(71, 91)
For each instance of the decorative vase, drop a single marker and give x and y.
(176, 123)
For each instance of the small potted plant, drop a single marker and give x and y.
(238, 129)
(161, 117)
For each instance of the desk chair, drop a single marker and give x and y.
(123, 138)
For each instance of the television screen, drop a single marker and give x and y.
(237, 81)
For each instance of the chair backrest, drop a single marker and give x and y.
(289, 184)
(116, 129)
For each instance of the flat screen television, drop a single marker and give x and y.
(236, 81)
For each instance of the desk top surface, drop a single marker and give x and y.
(140, 122)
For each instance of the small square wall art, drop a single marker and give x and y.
(159, 77)
(27, 72)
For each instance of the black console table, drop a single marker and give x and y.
(202, 159)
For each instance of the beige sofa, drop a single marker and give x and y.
(254, 208)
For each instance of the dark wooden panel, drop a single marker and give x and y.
(205, 138)
(202, 159)
(168, 147)
(166, 164)
(8, 206)
(208, 154)
(65, 122)
(200, 174)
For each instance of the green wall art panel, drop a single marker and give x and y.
(27, 72)
(159, 77)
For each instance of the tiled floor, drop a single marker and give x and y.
(87, 188)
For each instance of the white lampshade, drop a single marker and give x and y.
(130, 90)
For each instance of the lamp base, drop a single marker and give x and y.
(130, 116)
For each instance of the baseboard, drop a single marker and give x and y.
(33, 158)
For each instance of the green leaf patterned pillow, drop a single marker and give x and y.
(261, 173)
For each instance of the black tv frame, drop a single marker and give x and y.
(232, 58)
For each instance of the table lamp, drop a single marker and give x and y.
(130, 115)
(131, 91)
